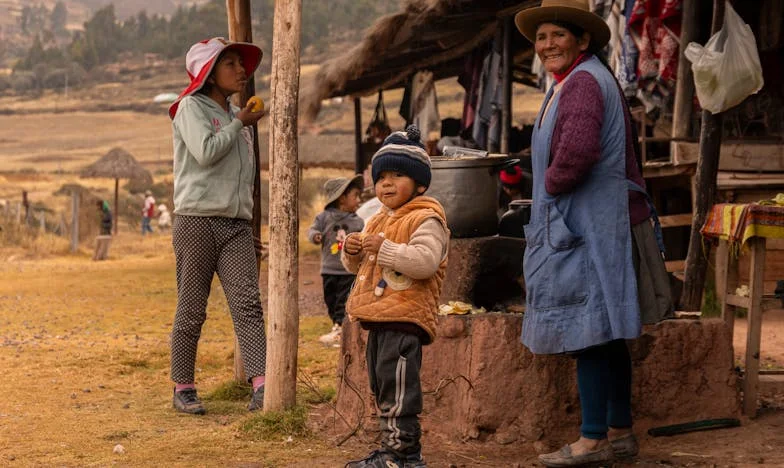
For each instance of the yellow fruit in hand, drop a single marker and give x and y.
(256, 103)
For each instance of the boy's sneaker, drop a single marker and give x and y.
(331, 337)
(257, 400)
(186, 401)
(414, 461)
(377, 459)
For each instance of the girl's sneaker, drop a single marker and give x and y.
(186, 401)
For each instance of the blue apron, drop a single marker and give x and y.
(581, 288)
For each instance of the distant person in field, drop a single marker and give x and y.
(106, 217)
(330, 229)
(214, 171)
(148, 211)
(164, 218)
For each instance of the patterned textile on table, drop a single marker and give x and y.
(737, 223)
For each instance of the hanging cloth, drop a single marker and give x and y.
(424, 105)
(378, 128)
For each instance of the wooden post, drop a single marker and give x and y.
(506, 106)
(74, 221)
(116, 204)
(707, 170)
(359, 158)
(240, 30)
(751, 375)
(283, 313)
(726, 282)
(684, 84)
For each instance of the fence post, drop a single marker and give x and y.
(74, 221)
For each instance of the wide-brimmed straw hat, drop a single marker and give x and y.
(576, 12)
(334, 188)
(200, 60)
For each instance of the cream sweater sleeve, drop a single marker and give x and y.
(421, 257)
(350, 262)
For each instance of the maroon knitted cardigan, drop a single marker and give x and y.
(576, 147)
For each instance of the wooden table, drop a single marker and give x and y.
(738, 227)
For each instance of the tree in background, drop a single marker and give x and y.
(59, 18)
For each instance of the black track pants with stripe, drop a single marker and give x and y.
(394, 360)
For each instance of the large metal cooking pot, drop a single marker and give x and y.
(468, 189)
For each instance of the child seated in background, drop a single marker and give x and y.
(330, 229)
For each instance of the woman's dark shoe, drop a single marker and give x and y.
(257, 400)
(625, 446)
(186, 401)
(565, 457)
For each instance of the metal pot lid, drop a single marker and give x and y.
(492, 159)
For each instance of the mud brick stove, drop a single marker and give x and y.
(481, 383)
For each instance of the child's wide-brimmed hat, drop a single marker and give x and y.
(334, 188)
(201, 58)
(576, 12)
(403, 152)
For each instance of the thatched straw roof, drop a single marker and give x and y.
(428, 34)
(117, 164)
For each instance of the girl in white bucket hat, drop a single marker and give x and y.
(214, 172)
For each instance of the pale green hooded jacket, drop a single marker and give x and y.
(214, 164)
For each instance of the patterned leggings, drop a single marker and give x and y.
(204, 246)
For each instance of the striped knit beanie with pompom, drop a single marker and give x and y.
(403, 152)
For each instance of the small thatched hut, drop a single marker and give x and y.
(117, 164)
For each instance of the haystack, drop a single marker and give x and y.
(435, 35)
(117, 164)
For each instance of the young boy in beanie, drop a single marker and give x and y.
(330, 229)
(400, 260)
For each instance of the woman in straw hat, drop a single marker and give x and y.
(214, 171)
(590, 243)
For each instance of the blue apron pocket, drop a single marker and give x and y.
(555, 264)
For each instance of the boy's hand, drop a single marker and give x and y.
(372, 243)
(317, 238)
(248, 117)
(353, 244)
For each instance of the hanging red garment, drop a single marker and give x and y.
(656, 28)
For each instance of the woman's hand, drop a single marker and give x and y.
(317, 238)
(372, 243)
(248, 117)
(353, 244)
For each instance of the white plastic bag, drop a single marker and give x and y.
(727, 70)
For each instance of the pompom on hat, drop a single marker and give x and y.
(511, 176)
(577, 12)
(403, 152)
(201, 58)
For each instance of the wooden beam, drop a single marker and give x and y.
(283, 307)
(240, 30)
(751, 376)
(358, 156)
(506, 104)
(705, 184)
(684, 84)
